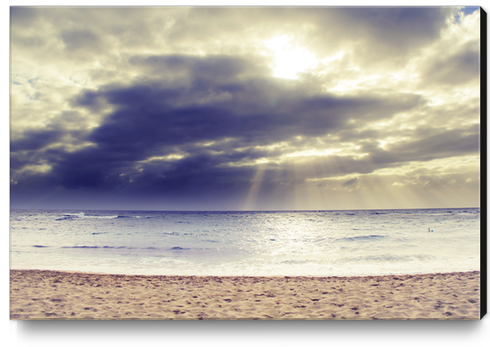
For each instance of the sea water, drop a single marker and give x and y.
(285, 243)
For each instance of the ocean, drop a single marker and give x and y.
(276, 243)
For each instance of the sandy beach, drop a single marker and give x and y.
(46, 295)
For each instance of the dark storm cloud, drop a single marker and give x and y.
(217, 68)
(214, 100)
(34, 140)
(104, 171)
(160, 114)
(19, 160)
(196, 174)
(159, 118)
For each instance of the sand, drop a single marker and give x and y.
(47, 295)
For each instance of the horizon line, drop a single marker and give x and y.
(250, 211)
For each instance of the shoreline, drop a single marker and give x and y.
(67, 295)
(243, 276)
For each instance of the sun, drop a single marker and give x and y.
(289, 58)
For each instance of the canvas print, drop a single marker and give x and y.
(226, 163)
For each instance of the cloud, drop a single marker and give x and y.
(219, 105)
(35, 140)
(80, 39)
(350, 182)
(182, 103)
(157, 119)
(456, 69)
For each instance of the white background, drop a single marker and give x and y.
(211, 333)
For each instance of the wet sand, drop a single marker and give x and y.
(47, 295)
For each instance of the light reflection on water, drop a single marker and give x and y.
(241, 243)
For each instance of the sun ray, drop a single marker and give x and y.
(251, 201)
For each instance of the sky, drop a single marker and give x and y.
(244, 108)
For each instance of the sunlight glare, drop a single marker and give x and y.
(289, 58)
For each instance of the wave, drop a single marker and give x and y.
(82, 247)
(176, 248)
(76, 214)
(389, 258)
(362, 238)
(96, 247)
(67, 217)
(72, 216)
(295, 262)
(465, 213)
(102, 217)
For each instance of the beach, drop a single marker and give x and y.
(48, 295)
